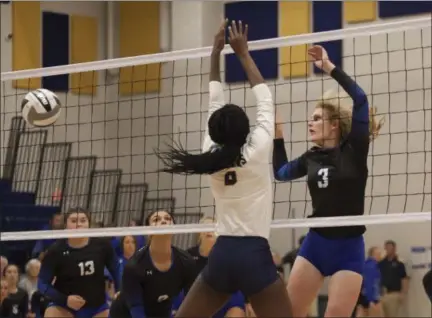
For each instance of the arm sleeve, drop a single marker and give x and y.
(46, 276)
(284, 170)
(132, 292)
(113, 265)
(37, 249)
(216, 101)
(360, 114)
(259, 142)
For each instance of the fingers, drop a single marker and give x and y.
(234, 28)
(246, 31)
(223, 25)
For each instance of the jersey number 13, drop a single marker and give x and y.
(86, 268)
(323, 174)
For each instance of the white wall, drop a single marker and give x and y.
(123, 131)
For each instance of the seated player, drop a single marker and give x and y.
(235, 307)
(337, 172)
(236, 160)
(427, 283)
(369, 299)
(155, 275)
(78, 267)
(17, 298)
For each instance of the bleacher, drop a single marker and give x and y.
(41, 178)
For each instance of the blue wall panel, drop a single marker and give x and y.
(55, 49)
(390, 9)
(327, 16)
(262, 19)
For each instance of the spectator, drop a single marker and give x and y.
(29, 281)
(369, 304)
(291, 256)
(17, 297)
(41, 246)
(3, 264)
(5, 308)
(394, 281)
(140, 240)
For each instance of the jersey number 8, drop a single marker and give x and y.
(324, 182)
(86, 268)
(230, 178)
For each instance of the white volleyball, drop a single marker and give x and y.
(40, 108)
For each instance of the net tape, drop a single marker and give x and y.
(199, 228)
(371, 29)
(366, 30)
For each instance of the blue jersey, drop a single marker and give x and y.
(371, 287)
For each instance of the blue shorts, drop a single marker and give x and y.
(236, 300)
(242, 264)
(330, 256)
(83, 312)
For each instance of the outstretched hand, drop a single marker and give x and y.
(238, 38)
(320, 58)
(219, 39)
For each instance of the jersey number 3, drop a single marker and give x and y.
(86, 268)
(324, 182)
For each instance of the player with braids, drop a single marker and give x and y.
(237, 161)
(72, 272)
(336, 170)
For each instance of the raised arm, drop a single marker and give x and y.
(216, 93)
(283, 169)
(264, 131)
(360, 113)
(46, 276)
(132, 292)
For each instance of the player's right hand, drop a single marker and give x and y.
(75, 302)
(219, 39)
(238, 38)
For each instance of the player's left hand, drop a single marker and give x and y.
(320, 57)
(238, 38)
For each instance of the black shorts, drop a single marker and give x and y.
(242, 264)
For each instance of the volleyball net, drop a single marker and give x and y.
(100, 153)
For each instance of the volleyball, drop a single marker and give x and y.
(40, 108)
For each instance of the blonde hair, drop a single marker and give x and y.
(339, 108)
(203, 220)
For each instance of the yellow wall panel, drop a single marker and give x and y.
(139, 35)
(26, 41)
(84, 42)
(360, 11)
(294, 19)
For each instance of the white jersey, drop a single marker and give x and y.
(244, 205)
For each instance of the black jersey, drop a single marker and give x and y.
(38, 304)
(148, 292)
(336, 176)
(78, 271)
(16, 304)
(200, 261)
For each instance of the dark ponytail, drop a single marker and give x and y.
(229, 128)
